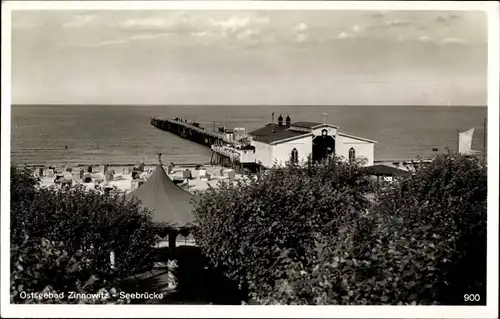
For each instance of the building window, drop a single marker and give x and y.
(295, 156)
(352, 155)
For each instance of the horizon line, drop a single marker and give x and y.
(259, 105)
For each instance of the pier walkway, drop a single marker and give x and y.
(194, 133)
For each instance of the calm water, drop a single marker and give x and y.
(122, 134)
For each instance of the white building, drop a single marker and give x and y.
(282, 142)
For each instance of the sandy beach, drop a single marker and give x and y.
(122, 181)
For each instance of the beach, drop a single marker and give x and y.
(202, 177)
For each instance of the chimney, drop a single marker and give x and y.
(280, 120)
(288, 121)
(323, 118)
(159, 159)
(272, 118)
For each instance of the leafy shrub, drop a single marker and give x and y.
(245, 228)
(301, 236)
(86, 223)
(441, 210)
(36, 263)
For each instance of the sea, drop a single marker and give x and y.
(122, 134)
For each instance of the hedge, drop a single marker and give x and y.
(79, 222)
(245, 228)
(309, 236)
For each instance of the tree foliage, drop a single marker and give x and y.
(441, 210)
(41, 266)
(246, 228)
(49, 225)
(307, 235)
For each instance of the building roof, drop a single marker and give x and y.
(248, 147)
(384, 170)
(266, 135)
(311, 125)
(305, 124)
(356, 137)
(169, 203)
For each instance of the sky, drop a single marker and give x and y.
(329, 57)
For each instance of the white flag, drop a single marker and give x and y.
(465, 142)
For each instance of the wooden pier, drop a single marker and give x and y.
(192, 132)
(222, 155)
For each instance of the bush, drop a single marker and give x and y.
(441, 210)
(301, 236)
(85, 222)
(36, 263)
(245, 228)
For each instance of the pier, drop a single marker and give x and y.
(224, 156)
(192, 132)
(224, 150)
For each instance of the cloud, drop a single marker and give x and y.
(453, 41)
(391, 24)
(426, 38)
(344, 35)
(301, 27)
(401, 38)
(24, 24)
(247, 34)
(231, 24)
(79, 21)
(397, 23)
(378, 14)
(447, 19)
(301, 37)
(448, 40)
(235, 24)
(356, 29)
(201, 34)
(128, 39)
(153, 22)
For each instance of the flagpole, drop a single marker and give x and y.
(458, 140)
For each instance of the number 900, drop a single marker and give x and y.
(472, 297)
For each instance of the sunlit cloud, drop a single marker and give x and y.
(398, 23)
(79, 21)
(24, 24)
(344, 35)
(154, 22)
(446, 19)
(128, 39)
(302, 37)
(247, 34)
(425, 38)
(234, 24)
(301, 27)
(453, 40)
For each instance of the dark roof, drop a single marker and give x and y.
(305, 124)
(266, 135)
(169, 203)
(248, 147)
(384, 170)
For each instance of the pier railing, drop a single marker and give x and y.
(230, 153)
(216, 137)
